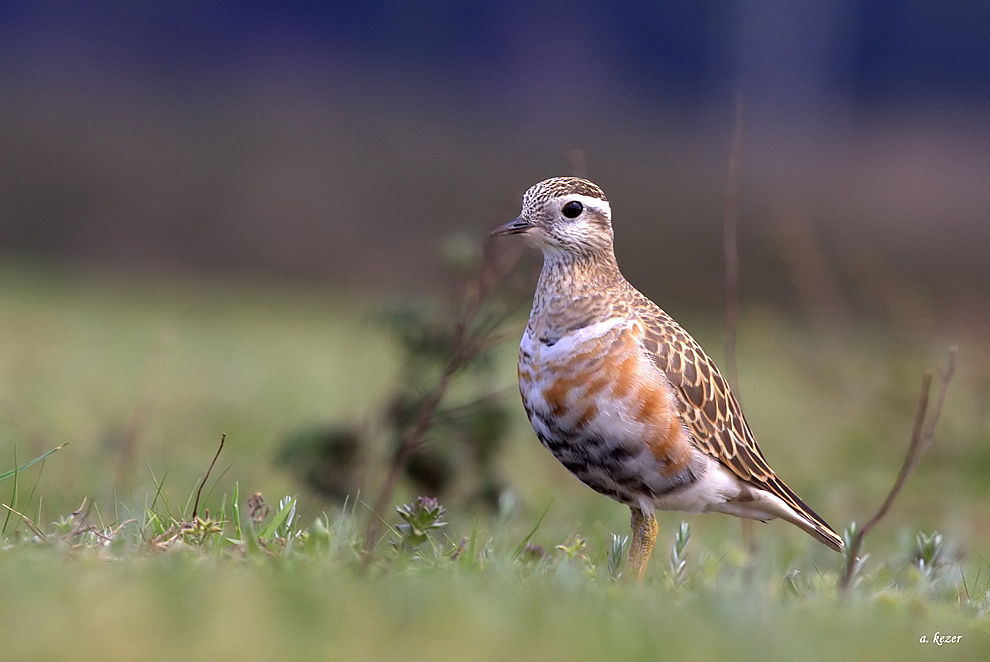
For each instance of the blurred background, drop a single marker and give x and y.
(205, 207)
(338, 142)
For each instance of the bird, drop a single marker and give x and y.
(621, 394)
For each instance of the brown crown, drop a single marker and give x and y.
(560, 186)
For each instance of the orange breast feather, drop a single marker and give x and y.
(613, 374)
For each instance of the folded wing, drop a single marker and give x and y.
(713, 415)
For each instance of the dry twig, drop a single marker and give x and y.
(81, 523)
(223, 438)
(922, 438)
(731, 248)
(27, 520)
(468, 342)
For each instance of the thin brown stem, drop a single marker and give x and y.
(223, 438)
(730, 246)
(467, 343)
(412, 439)
(922, 438)
(27, 520)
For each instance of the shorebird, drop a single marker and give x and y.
(622, 395)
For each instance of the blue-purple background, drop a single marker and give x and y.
(341, 141)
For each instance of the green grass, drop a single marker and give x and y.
(146, 590)
(161, 369)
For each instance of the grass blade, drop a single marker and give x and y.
(235, 507)
(13, 498)
(13, 472)
(522, 545)
(280, 517)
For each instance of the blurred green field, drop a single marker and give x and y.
(142, 376)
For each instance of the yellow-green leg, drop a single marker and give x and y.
(644, 536)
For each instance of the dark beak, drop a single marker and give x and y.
(515, 226)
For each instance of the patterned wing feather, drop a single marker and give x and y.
(712, 414)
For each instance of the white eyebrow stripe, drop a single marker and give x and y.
(593, 203)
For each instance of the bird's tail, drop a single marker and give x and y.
(801, 515)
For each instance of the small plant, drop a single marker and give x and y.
(793, 582)
(201, 529)
(419, 519)
(574, 550)
(618, 552)
(979, 606)
(278, 533)
(533, 553)
(678, 555)
(257, 508)
(446, 417)
(853, 563)
(437, 351)
(928, 553)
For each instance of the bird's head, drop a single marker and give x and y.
(566, 217)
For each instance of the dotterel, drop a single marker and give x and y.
(622, 395)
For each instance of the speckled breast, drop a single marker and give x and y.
(603, 409)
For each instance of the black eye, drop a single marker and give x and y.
(572, 209)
